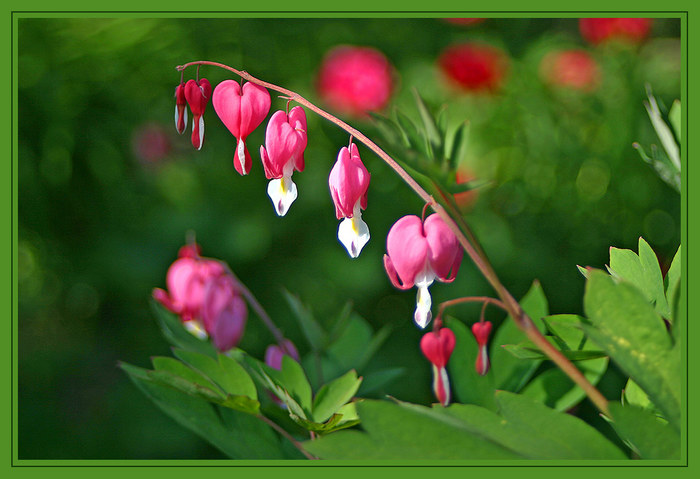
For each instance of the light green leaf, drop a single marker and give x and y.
(674, 118)
(673, 281)
(654, 278)
(226, 372)
(177, 368)
(511, 373)
(649, 437)
(334, 395)
(431, 130)
(626, 326)
(567, 328)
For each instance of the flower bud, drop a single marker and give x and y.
(437, 346)
(481, 332)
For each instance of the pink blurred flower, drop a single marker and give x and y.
(481, 332)
(241, 110)
(354, 80)
(202, 293)
(474, 67)
(274, 353)
(419, 253)
(150, 143)
(437, 346)
(575, 69)
(601, 30)
(348, 183)
(198, 94)
(286, 140)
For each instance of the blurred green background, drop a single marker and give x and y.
(108, 191)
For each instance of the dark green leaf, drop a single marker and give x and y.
(176, 334)
(376, 380)
(511, 373)
(649, 436)
(432, 133)
(310, 327)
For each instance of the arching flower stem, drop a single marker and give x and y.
(458, 226)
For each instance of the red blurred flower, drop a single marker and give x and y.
(601, 30)
(465, 199)
(150, 143)
(474, 67)
(355, 80)
(575, 69)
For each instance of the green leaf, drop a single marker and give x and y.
(238, 435)
(429, 124)
(663, 131)
(230, 376)
(176, 334)
(374, 381)
(467, 385)
(406, 431)
(654, 278)
(634, 395)
(295, 382)
(674, 118)
(332, 396)
(673, 281)
(312, 330)
(178, 369)
(649, 437)
(527, 350)
(567, 329)
(626, 326)
(511, 373)
(456, 149)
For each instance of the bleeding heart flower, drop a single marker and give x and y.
(241, 110)
(274, 353)
(198, 93)
(348, 182)
(437, 346)
(224, 312)
(180, 109)
(481, 332)
(474, 67)
(602, 30)
(354, 80)
(286, 140)
(419, 253)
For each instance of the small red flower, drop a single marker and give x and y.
(354, 80)
(574, 69)
(481, 332)
(601, 30)
(198, 94)
(180, 109)
(474, 67)
(437, 346)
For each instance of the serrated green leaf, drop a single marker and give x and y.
(649, 437)
(628, 328)
(313, 332)
(467, 385)
(334, 395)
(511, 373)
(673, 281)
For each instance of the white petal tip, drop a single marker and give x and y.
(196, 329)
(424, 302)
(282, 192)
(353, 233)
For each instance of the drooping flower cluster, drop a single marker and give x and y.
(437, 346)
(418, 253)
(205, 297)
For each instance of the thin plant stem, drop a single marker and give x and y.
(464, 236)
(470, 299)
(286, 435)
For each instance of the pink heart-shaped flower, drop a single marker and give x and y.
(437, 346)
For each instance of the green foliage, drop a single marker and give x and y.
(649, 437)
(521, 429)
(626, 326)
